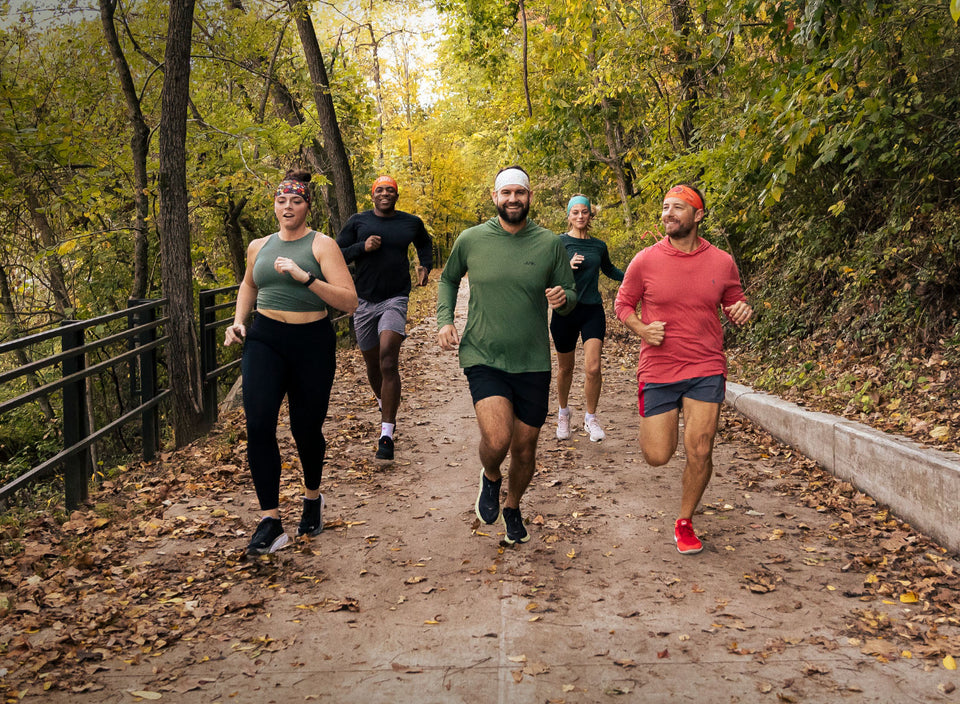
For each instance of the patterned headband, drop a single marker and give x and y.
(293, 187)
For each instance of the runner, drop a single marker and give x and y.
(681, 283)
(517, 270)
(290, 349)
(588, 257)
(378, 241)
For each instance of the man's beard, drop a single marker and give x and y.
(518, 217)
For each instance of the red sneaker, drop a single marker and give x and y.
(687, 541)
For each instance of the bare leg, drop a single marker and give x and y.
(658, 437)
(593, 382)
(523, 462)
(496, 421)
(389, 362)
(700, 421)
(565, 362)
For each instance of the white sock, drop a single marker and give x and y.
(387, 429)
(587, 417)
(565, 411)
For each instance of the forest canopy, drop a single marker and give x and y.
(824, 134)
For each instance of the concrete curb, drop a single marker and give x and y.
(920, 485)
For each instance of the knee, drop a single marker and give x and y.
(656, 459)
(389, 364)
(592, 370)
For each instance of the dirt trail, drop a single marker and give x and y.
(405, 598)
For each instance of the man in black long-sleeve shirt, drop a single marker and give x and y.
(377, 242)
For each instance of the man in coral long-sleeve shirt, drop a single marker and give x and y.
(680, 284)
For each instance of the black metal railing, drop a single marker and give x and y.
(78, 434)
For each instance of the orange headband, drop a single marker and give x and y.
(384, 181)
(687, 194)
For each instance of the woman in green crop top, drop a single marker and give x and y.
(289, 350)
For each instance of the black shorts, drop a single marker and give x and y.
(586, 320)
(529, 392)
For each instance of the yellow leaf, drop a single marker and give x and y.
(431, 622)
(909, 598)
(517, 658)
(572, 554)
(871, 579)
(67, 247)
(831, 588)
(532, 606)
(143, 694)
(950, 663)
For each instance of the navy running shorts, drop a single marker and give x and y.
(586, 320)
(654, 399)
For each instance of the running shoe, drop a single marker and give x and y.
(488, 500)
(687, 541)
(269, 537)
(593, 427)
(385, 448)
(311, 521)
(516, 531)
(563, 426)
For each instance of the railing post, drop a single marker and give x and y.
(208, 355)
(76, 480)
(149, 419)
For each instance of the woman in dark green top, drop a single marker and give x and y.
(588, 257)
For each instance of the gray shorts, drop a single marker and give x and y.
(371, 319)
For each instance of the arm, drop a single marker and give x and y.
(734, 303)
(246, 297)
(562, 296)
(337, 290)
(347, 241)
(625, 306)
(447, 290)
(424, 246)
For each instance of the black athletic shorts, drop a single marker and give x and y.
(586, 320)
(529, 392)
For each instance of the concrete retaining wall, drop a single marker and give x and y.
(920, 485)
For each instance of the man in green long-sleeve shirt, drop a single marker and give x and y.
(517, 270)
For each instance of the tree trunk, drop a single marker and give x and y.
(680, 14)
(139, 143)
(234, 235)
(48, 238)
(182, 350)
(333, 146)
(526, 85)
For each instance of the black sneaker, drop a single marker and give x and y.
(385, 448)
(516, 531)
(488, 499)
(269, 537)
(311, 521)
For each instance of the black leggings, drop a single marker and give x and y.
(299, 361)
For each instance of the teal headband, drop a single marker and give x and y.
(579, 200)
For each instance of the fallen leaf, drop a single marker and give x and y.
(949, 662)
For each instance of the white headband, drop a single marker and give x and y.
(511, 177)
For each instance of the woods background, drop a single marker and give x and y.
(140, 141)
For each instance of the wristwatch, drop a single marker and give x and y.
(310, 280)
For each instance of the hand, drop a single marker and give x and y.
(556, 297)
(576, 260)
(371, 243)
(422, 274)
(283, 265)
(448, 337)
(739, 313)
(235, 333)
(654, 333)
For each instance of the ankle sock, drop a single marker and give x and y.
(387, 429)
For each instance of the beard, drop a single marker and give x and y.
(682, 230)
(517, 217)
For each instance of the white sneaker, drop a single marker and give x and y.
(593, 427)
(563, 426)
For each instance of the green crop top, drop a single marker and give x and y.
(276, 291)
